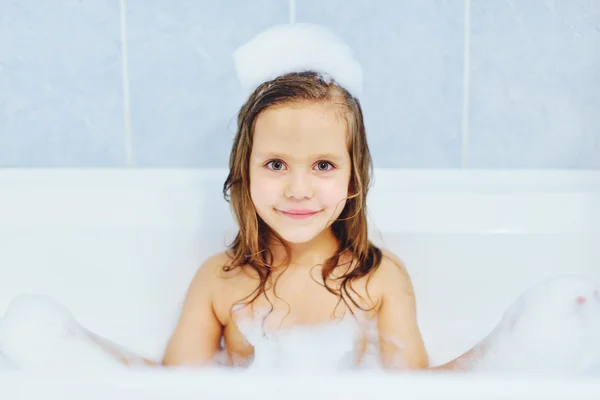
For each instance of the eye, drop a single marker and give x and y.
(324, 166)
(276, 165)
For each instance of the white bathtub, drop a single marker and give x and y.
(119, 247)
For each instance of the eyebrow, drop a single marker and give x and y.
(320, 156)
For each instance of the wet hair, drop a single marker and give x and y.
(250, 246)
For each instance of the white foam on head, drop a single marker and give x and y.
(299, 47)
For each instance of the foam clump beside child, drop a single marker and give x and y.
(36, 332)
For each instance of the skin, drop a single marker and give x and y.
(299, 160)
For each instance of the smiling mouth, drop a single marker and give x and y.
(300, 214)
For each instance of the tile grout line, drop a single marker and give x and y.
(292, 11)
(466, 86)
(126, 95)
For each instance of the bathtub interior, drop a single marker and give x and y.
(119, 247)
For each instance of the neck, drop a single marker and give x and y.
(310, 253)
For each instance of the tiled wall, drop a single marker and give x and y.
(150, 83)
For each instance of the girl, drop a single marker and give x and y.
(300, 169)
(299, 174)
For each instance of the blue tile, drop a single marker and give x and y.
(60, 84)
(412, 53)
(535, 80)
(184, 90)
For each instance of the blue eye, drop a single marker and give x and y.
(324, 166)
(276, 165)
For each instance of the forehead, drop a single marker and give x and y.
(301, 129)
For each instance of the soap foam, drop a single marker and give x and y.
(299, 47)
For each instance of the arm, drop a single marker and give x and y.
(401, 344)
(197, 336)
(463, 362)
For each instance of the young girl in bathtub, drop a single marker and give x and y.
(300, 170)
(299, 174)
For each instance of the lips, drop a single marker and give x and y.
(298, 213)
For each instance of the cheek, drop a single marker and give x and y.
(334, 193)
(263, 192)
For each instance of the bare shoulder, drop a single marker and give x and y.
(218, 260)
(392, 276)
(390, 257)
(212, 266)
(210, 272)
(222, 284)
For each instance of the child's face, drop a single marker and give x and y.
(300, 168)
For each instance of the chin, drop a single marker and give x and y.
(298, 236)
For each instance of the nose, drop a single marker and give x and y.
(298, 186)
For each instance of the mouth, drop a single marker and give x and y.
(298, 214)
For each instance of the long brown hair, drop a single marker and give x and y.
(250, 247)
